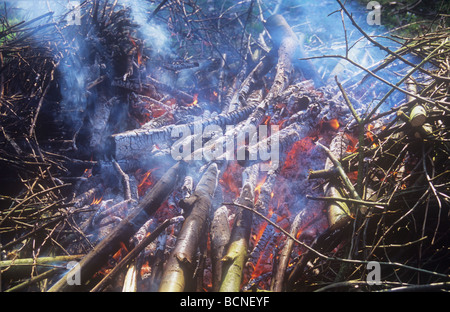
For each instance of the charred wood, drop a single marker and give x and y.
(278, 280)
(126, 228)
(134, 253)
(135, 142)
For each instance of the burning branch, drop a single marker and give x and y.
(133, 254)
(126, 228)
(91, 115)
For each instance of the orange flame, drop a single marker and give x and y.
(146, 182)
(195, 100)
(230, 177)
(87, 172)
(96, 201)
(145, 269)
(139, 54)
(121, 252)
(334, 123)
(351, 148)
(260, 184)
(369, 132)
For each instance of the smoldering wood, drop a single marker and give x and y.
(126, 228)
(99, 122)
(132, 143)
(297, 127)
(262, 242)
(134, 253)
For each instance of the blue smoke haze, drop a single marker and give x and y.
(319, 23)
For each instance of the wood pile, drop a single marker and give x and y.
(129, 169)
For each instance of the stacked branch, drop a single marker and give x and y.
(179, 269)
(124, 231)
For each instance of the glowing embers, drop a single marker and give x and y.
(147, 180)
(145, 108)
(266, 241)
(117, 257)
(334, 123)
(293, 163)
(231, 179)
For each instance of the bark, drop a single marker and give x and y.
(284, 38)
(336, 210)
(96, 258)
(278, 280)
(325, 242)
(133, 143)
(236, 255)
(220, 236)
(29, 262)
(181, 263)
(133, 254)
(418, 114)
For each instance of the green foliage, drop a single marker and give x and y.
(6, 36)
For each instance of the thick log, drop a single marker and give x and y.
(288, 43)
(150, 237)
(99, 122)
(181, 263)
(278, 280)
(220, 236)
(237, 251)
(133, 143)
(265, 194)
(336, 210)
(96, 258)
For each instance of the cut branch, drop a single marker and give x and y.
(95, 259)
(181, 263)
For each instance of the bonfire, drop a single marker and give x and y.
(221, 147)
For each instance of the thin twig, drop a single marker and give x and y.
(394, 264)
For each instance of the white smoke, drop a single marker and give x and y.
(155, 35)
